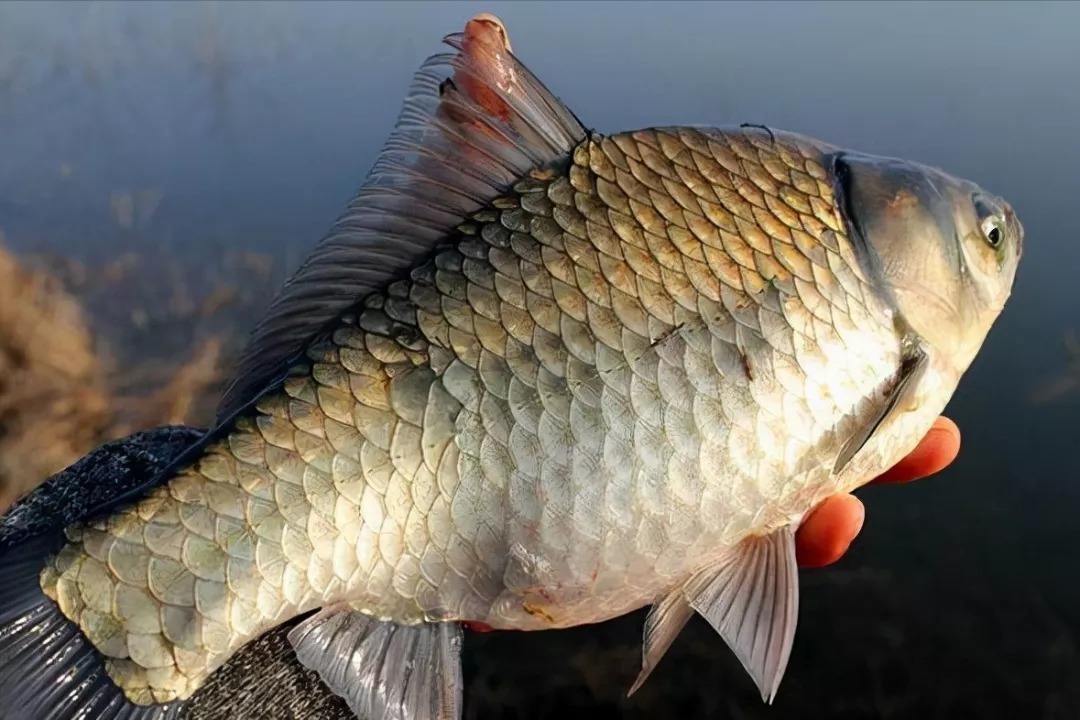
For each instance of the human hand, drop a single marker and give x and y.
(830, 528)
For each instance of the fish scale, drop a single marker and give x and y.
(600, 380)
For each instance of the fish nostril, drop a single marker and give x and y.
(1013, 223)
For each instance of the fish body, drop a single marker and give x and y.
(610, 371)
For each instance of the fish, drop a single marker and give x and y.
(534, 377)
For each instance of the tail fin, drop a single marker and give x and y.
(48, 669)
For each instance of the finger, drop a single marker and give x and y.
(487, 44)
(936, 452)
(828, 531)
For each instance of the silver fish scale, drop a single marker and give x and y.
(616, 374)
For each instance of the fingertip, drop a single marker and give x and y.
(827, 533)
(858, 514)
(477, 626)
(937, 450)
(949, 428)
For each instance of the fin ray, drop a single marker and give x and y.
(663, 624)
(752, 601)
(474, 122)
(383, 670)
(899, 390)
(45, 658)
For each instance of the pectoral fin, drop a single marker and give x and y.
(898, 397)
(752, 600)
(382, 670)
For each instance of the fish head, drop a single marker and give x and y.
(945, 249)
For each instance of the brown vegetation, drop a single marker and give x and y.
(88, 355)
(53, 401)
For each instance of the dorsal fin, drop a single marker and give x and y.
(474, 122)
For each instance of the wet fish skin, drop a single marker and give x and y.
(622, 381)
(444, 459)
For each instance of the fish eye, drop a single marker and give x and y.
(991, 220)
(993, 231)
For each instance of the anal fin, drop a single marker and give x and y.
(382, 670)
